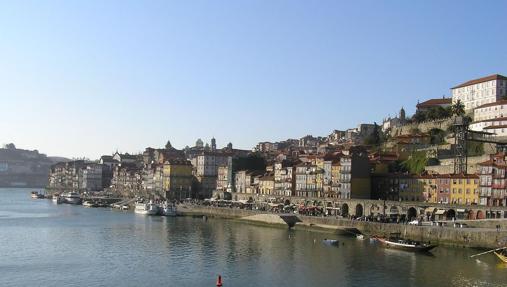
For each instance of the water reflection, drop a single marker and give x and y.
(99, 247)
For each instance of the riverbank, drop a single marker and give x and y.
(476, 237)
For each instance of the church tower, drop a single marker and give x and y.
(213, 144)
(402, 114)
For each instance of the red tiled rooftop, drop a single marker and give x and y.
(481, 80)
(435, 102)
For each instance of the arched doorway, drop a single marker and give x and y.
(373, 207)
(359, 210)
(411, 214)
(480, 215)
(345, 210)
(287, 202)
(451, 213)
(329, 208)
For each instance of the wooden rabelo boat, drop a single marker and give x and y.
(395, 242)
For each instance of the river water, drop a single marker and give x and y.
(44, 244)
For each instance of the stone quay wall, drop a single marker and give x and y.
(466, 237)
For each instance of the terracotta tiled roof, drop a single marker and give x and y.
(434, 102)
(481, 80)
(497, 103)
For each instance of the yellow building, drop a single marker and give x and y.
(266, 185)
(427, 184)
(335, 177)
(464, 189)
(177, 179)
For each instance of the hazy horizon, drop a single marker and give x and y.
(83, 79)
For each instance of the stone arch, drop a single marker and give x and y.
(472, 215)
(345, 209)
(359, 210)
(411, 213)
(450, 214)
(373, 207)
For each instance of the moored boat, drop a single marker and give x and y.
(168, 209)
(502, 255)
(72, 198)
(56, 198)
(360, 236)
(331, 242)
(37, 195)
(89, 204)
(149, 208)
(403, 244)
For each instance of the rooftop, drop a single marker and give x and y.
(481, 80)
(434, 102)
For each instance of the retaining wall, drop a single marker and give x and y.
(467, 237)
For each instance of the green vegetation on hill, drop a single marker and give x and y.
(435, 113)
(416, 162)
(251, 162)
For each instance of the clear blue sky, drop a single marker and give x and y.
(84, 78)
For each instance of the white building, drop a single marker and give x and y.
(481, 91)
(489, 111)
(206, 170)
(491, 117)
(92, 177)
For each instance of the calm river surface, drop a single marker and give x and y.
(43, 244)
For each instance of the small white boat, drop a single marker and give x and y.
(360, 236)
(146, 208)
(124, 207)
(37, 195)
(331, 242)
(89, 204)
(57, 199)
(72, 198)
(169, 209)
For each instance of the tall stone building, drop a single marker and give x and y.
(480, 91)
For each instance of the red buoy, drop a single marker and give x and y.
(219, 281)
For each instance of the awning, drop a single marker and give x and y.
(460, 210)
(440, 212)
(429, 210)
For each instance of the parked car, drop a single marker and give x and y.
(414, 222)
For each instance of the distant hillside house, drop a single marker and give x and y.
(478, 92)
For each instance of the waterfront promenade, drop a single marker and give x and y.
(478, 234)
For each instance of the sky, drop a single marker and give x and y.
(86, 78)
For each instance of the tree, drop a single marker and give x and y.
(10, 146)
(251, 162)
(419, 117)
(416, 162)
(458, 109)
(437, 136)
(375, 137)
